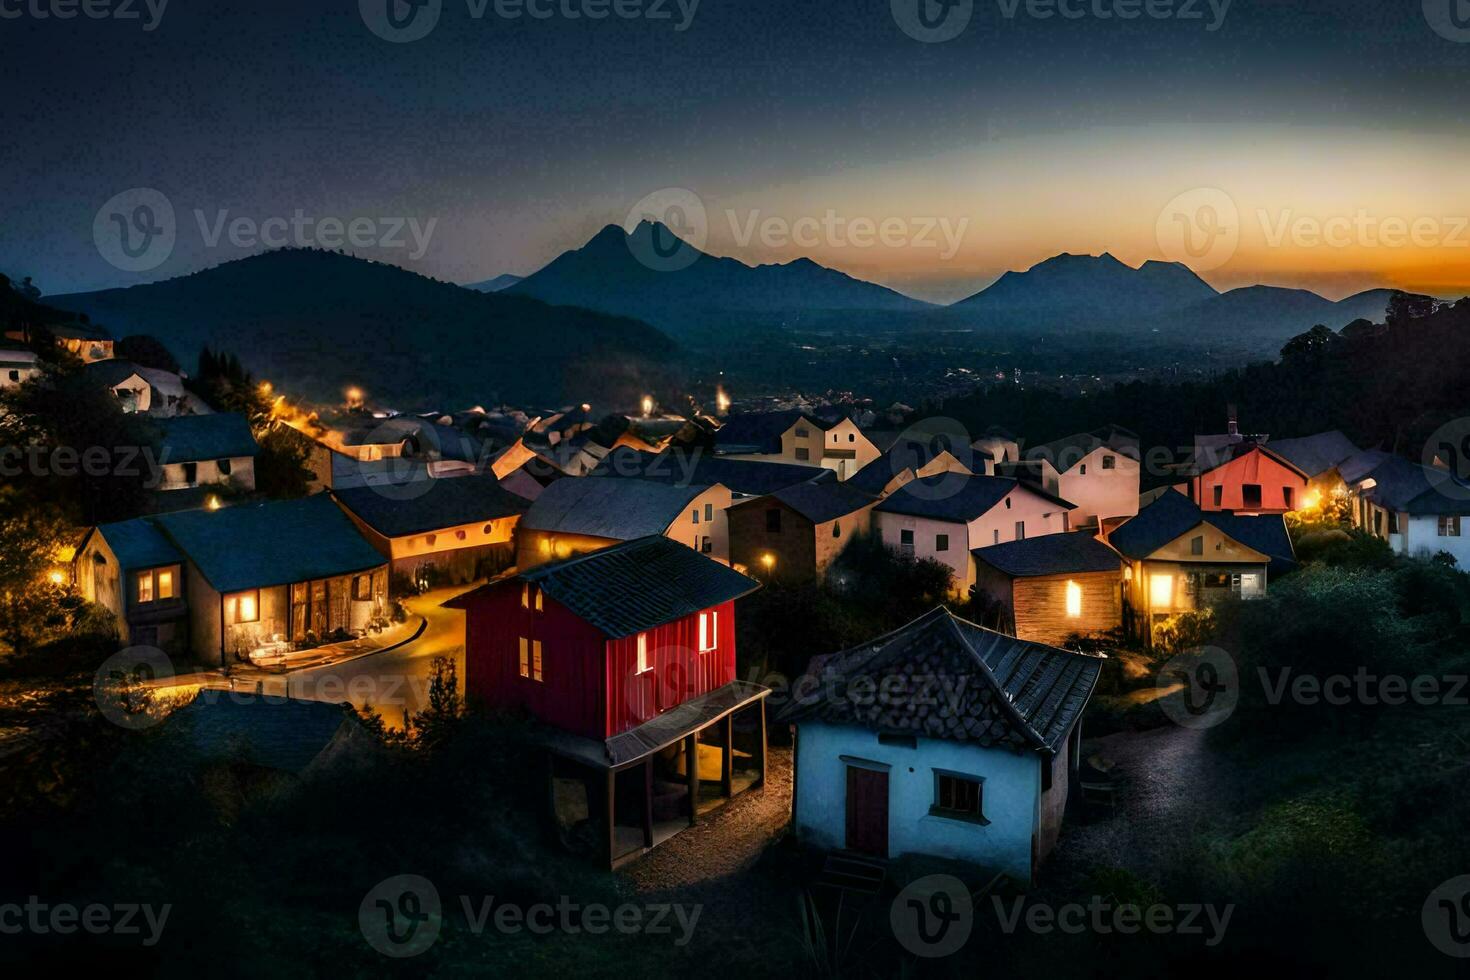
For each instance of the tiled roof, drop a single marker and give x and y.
(1315, 454)
(399, 510)
(1051, 554)
(1412, 488)
(689, 716)
(190, 438)
(750, 477)
(1173, 514)
(821, 502)
(608, 508)
(253, 546)
(636, 585)
(139, 544)
(956, 497)
(272, 732)
(958, 681)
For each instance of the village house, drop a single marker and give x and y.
(1418, 510)
(237, 583)
(1051, 588)
(906, 457)
(940, 739)
(1245, 478)
(999, 445)
(1181, 558)
(798, 437)
(1319, 457)
(145, 390)
(793, 534)
(946, 516)
(627, 658)
(17, 367)
(1098, 471)
(572, 516)
(744, 478)
(88, 342)
(216, 450)
(451, 530)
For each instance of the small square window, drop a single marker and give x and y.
(1109, 462)
(1197, 545)
(957, 796)
(941, 542)
(803, 454)
(1449, 526)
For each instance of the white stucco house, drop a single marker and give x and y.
(800, 437)
(1098, 471)
(144, 390)
(940, 739)
(946, 516)
(1420, 511)
(205, 451)
(17, 367)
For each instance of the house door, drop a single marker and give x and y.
(867, 811)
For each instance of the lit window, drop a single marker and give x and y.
(1074, 600)
(525, 657)
(145, 586)
(709, 628)
(242, 607)
(535, 660)
(1161, 591)
(526, 596)
(643, 662)
(539, 606)
(166, 584)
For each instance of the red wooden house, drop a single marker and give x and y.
(627, 655)
(1245, 478)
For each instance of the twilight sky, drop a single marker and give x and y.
(1330, 135)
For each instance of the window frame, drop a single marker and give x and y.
(937, 807)
(642, 663)
(235, 598)
(709, 631)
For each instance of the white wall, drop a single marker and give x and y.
(1010, 799)
(207, 473)
(1423, 541)
(1100, 493)
(688, 531)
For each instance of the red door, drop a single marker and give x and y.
(867, 811)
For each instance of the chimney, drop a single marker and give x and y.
(1232, 421)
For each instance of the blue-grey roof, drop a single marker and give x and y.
(759, 432)
(609, 508)
(1173, 514)
(139, 544)
(272, 732)
(190, 438)
(996, 690)
(750, 477)
(1412, 488)
(253, 546)
(955, 497)
(398, 510)
(1051, 554)
(1068, 451)
(1359, 466)
(823, 502)
(1315, 454)
(634, 586)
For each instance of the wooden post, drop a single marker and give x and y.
(727, 771)
(612, 829)
(761, 749)
(648, 802)
(691, 763)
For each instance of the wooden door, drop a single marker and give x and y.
(319, 608)
(867, 811)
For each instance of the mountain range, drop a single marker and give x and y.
(494, 285)
(315, 321)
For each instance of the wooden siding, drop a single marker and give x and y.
(1040, 606)
(678, 670)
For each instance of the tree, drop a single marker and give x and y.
(434, 725)
(147, 351)
(31, 537)
(1404, 307)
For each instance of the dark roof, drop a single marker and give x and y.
(1173, 514)
(1360, 466)
(956, 497)
(252, 546)
(823, 502)
(190, 438)
(402, 509)
(1207, 457)
(1412, 488)
(909, 452)
(748, 477)
(1316, 454)
(758, 432)
(1051, 554)
(965, 683)
(1068, 451)
(689, 716)
(634, 586)
(609, 508)
(139, 544)
(272, 732)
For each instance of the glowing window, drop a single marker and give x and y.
(643, 662)
(242, 607)
(166, 584)
(709, 625)
(145, 587)
(525, 657)
(535, 660)
(1161, 590)
(1074, 600)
